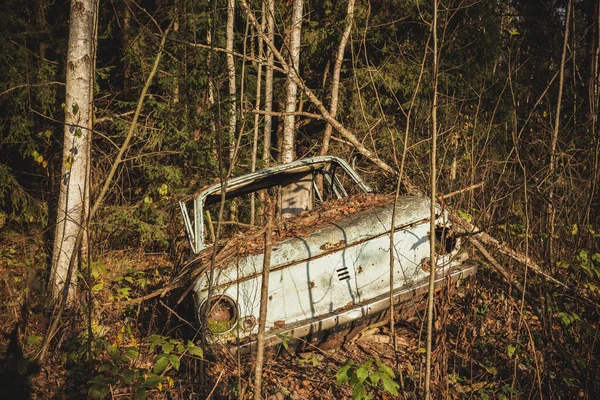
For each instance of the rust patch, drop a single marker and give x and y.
(279, 324)
(312, 284)
(335, 245)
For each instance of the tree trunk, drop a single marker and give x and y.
(257, 107)
(231, 77)
(554, 144)
(232, 100)
(433, 173)
(72, 200)
(269, 83)
(335, 83)
(287, 148)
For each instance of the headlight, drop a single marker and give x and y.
(222, 314)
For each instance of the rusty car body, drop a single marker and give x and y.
(337, 273)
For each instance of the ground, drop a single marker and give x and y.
(488, 344)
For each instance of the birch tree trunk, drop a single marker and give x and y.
(231, 77)
(287, 148)
(269, 83)
(73, 197)
(335, 83)
(232, 94)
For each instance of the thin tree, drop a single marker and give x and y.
(264, 294)
(257, 107)
(74, 195)
(231, 76)
(289, 120)
(335, 79)
(554, 143)
(433, 173)
(270, 33)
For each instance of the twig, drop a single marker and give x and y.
(460, 191)
(30, 85)
(284, 113)
(216, 384)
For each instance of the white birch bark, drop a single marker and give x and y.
(73, 198)
(231, 77)
(335, 83)
(287, 148)
(257, 105)
(269, 83)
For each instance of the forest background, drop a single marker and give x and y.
(517, 84)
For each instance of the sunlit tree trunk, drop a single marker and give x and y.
(73, 199)
(231, 77)
(335, 83)
(269, 83)
(433, 197)
(257, 107)
(232, 98)
(287, 148)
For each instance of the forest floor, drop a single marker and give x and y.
(487, 344)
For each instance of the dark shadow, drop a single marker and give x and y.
(15, 369)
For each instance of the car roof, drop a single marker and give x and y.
(279, 175)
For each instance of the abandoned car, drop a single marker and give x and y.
(330, 262)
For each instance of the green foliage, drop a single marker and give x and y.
(365, 377)
(121, 367)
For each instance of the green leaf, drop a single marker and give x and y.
(511, 350)
(195, 351)
(78, 133)
(465, 215)
(362, 373)
(33, 340)
(386, 369)
(342, 376)
(374, 378)
(105, 367)
(132, 352)
(161, 363)
(390, 385)
(153, 380)
(358, 392)
(174, 360)
(141, 394)
(98, 391)
(167, 348)
(97, 287)
(128, 376)
(113, 352)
